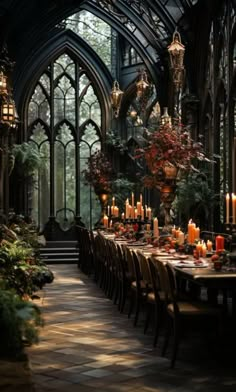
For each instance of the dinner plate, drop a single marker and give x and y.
(188, 264)
(136, 244)
(180, 257)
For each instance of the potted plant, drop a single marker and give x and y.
(27, 159)
(21, 270)
(19, 324)
(20, 262)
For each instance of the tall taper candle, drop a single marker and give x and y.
(227, 208)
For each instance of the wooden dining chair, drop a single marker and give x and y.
(124, 278)
(178, 310)
(159, 298)
(147, 283)
(139, 289)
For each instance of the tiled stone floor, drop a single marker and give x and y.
(86, 344)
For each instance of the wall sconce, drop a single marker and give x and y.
(165, 118)
(176, 52)
(142, 84)
(116, 97)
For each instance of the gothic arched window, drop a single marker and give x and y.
(64, 120)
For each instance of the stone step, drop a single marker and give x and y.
(61, 244)
(58, 250)
(65, 260)
(58, 254)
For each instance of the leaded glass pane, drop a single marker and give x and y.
(58, 69)
(32, 112)
(65, 175)
(84, 112)
(44, 112)
(45, 81)
(83, 82)
(96, 113)
(44, 185)
(88, 198)
(38, 134)
(90, 107)
(64, 100)
(90, 135)
(95, 147)
(38, 95)
(64, 134)
(41, 180)
(70, 176)
(38, 106)
(64, 64)
(59, 175)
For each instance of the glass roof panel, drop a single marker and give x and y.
(93, 30)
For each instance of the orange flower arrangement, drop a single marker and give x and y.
(169, 146)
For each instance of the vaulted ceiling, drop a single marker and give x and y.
(26, 24)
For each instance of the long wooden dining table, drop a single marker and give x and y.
(186, 267)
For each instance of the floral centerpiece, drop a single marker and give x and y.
(169, 147)
(98, 173)
(169, 153)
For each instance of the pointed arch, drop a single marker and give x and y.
(70, 43)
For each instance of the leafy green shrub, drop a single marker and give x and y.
(20, 269)
(19, 323)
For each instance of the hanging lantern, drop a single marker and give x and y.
(3, 83)
(138, 122)
(133, 114)
(176, 52)
(165, 118)
(7, 110)
(142, 84)
(116, 97)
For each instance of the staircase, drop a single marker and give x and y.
(60, 252)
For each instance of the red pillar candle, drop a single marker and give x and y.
(220, 243)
